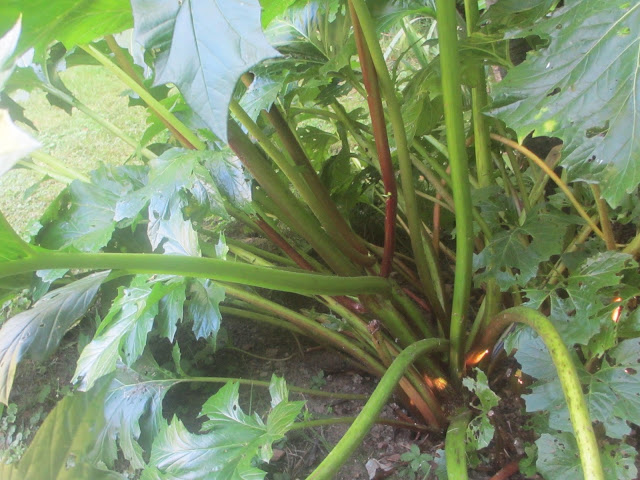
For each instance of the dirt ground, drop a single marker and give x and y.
(307, 365)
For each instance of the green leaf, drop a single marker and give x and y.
(60, 449)
(273, 8)
(227, 173)
(204, 300)
(480, 430)
(73, 22)
(171, 309)
(133, 400)
(588, 98)
(509, 250)
(558, 457)
(207, 77)
(614, 391)
(36, 333)
(89, 221)
(232, 441)
(122, 335)
(516, 12)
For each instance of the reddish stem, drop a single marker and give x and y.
(378, 124)
(506, 471)
(424, 305)
(291, 252)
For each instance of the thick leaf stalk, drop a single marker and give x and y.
(382, 145)
(454, 122)
(420, 248)
(454, 447)
(567, 373)
(367, 417)
(220, 270)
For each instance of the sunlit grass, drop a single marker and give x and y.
(75, 139)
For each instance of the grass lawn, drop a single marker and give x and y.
(75, 139)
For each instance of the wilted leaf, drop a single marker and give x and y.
(480, 430)
(589, 97)
(206, 76)
(36, 333)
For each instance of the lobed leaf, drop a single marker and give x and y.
(232, 441)
(133, 401)
(206, 76)
(588, 98)
(122, 335)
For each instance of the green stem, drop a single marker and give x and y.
(310, 328)
(558, 181)
(367, 417)
(297, 217)
(605, 223)
(460, 185)
(103, 122)
(331, 214)
(259, 383)
(567, 374)
(454, 447)
(341, 420)
(260, 317)
(57, 166)
(633, 248)
(163, 113)
(420, 248)
(220, 270)
(316, 198)
(36, 167)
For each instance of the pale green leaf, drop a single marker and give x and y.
(12, 246)
(204, 300)
(8, 44)
(122, 335)
(207, 77)
(584, 88)
(88, 222)
(36, 333)
(133, 400)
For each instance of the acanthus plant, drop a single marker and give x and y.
(261, 129)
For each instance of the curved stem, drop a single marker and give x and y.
(605, 222)
(219, 270)
(367, 417)
(454, 447)
(558, 181)
(571, 386)
(460, 185)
